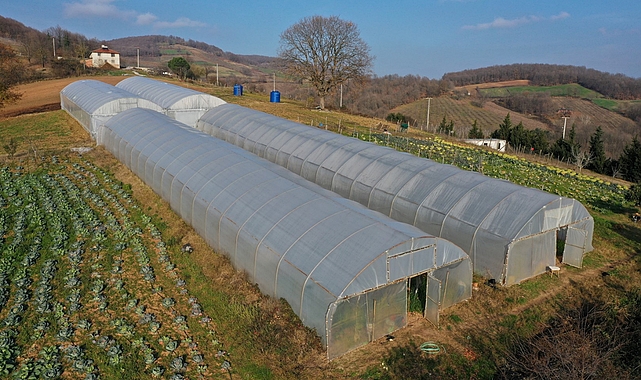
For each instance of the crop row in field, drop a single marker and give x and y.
(463, 114)
(600, 195)
(87, 285)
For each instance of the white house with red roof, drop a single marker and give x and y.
(104, 56)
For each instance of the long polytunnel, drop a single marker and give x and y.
(92, 103)
(509, 231)
(180, 103)
(343, 268)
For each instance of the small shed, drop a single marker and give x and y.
(92, 103)
(344, 269)
(179, 103)
(496, 144)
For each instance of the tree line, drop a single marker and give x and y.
(592, 157)
(616, 86)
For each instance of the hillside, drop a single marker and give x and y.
(585, 114)
(258, 336)
(155, 51)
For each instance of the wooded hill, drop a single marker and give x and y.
(615, 86)
(535, 106)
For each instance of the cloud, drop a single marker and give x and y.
(501, 22)
(106, 8)
(146, 19)
(181, 22)
(96, 8)
(560, 16)
(619, 32)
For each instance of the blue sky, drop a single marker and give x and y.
(426, 38)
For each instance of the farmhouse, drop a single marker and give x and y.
(509, 231)
(179, 103)
(104, 56)
(343, 268)
(92, 103)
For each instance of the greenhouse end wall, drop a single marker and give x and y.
(296, 240)
(179, 103)
(491, 219)
(92, 103)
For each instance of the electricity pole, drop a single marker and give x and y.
(427, 120)
(565, 122)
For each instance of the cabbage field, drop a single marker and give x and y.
(87, 286)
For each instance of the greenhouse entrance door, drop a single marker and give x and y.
(433, 300)
(575, 242)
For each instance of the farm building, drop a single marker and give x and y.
(343, 268)
(496, 144)
(92, 103)
(104, 56)
(179, 103)
(509, 231)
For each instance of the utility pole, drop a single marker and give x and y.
(340, 104)
(565, 122)
(137, 57)
(216, 74)
(427, 120)
(54, 47)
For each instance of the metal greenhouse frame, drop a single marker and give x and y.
(509, 231)
(343, 268)
(92, 103)
(180, 103)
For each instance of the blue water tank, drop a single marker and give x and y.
(238, 90)
(274, 97)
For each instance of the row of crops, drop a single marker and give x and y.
(87, 286)
(600, 195)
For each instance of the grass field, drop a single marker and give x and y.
(571, 90)
(122, 244)
(174, 52)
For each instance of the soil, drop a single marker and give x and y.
(44, 96)
(456, 322)
(507, 83)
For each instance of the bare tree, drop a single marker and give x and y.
(325, 51)
(585, 120)
(581, 158)
(12, 72)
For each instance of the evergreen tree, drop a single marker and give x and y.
(630, 161)
(562, 148)
(475, 132)
(518, 136)
(597, 151)
(445, 127)
(504, 129)
(180, 67)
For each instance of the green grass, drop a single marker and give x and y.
(572, 89)
(608, 104)
(174, 52)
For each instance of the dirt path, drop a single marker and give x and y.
(44, 96)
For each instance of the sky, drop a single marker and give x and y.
(420, 37)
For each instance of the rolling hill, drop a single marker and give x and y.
(585, 114)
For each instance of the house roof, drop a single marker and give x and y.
(105, 49)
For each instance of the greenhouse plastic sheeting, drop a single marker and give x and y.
(509, 231)
(92, 103)
(179, 103)
(323, 253)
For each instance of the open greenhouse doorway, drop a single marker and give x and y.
(425, 296)
(417, 293)
(561, 235)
